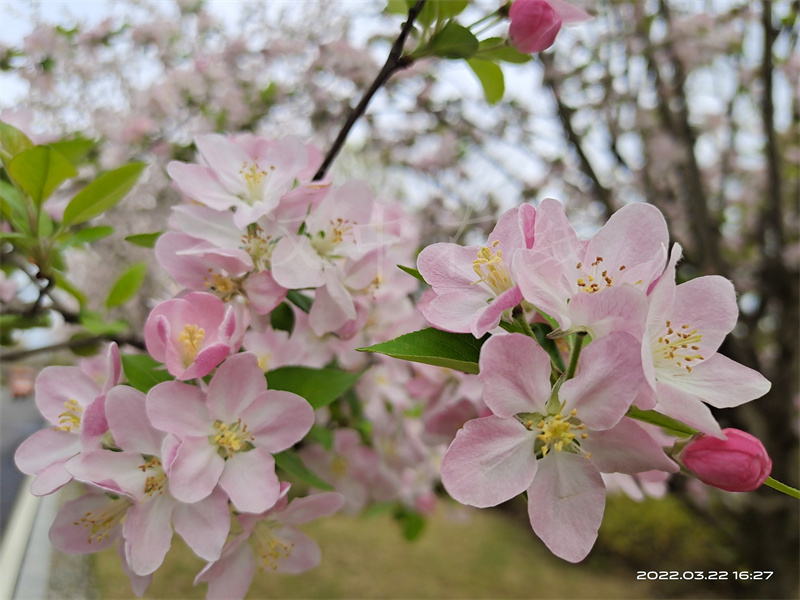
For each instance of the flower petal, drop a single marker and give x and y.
(250, 480)
(490, 461)
(626, 448)
(565, 504)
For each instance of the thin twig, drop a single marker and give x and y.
(73, 343)
(394, 62)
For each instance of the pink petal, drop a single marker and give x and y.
(454, 311)
(126, 411)
(490, 461)
(148, 533)
(448, 267)
(515, 372)
(489, 317)
(618, 308)
(200, 184)
(206, 361)
(308, 508)
(304, 555)
(178, 408)
(194, 473)
(626, 448)
(686, 408)
(204, 525)
(565, 504)
(251, 483)
(608, 380)
(263, 292)
(295, 263)
(230, 577)
(45, 448)
(68, 534)
(278, 420)
(55, 386)
(707, 304)
(236, 384)
(570, 15)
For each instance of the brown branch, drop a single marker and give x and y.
(394, 62)
(73, 343)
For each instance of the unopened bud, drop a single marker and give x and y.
(534, 25)
(739, 463)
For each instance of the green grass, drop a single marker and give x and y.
(463, 553)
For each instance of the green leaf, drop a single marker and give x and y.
(431, 346)
(144, 372)
(319, 386)
(103, 193)
(411, 522)
(12, 206)
(491, 77)
(450, 8)
(496, 48)
(84, 344)
(95, 324)
(656, 418)
(75, 151)
(12, 142)
(88, 235)
(282, 318)
(45, 226)
(412, 272)
(300, 300)
(453, 41)
(321, 435)
(398, 7)
(127, 285)
(145, 240)
(39, 171)
(289, 461)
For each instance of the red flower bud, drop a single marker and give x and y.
(534, 25)
(737, 464)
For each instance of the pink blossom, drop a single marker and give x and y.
(350, 467)
(686, 324)
(74, 403)
(247, 173)
(227, 435)
(553, 447)
(193, 334)
(536, 23)
(474, 285)
(739, 463)
(275, 544)
(136, 472)
(564, 277)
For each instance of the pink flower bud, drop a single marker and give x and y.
(534, 25)
(737, 464)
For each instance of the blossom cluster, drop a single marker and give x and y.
(194, 451)
(625, 338)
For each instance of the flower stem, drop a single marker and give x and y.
(782, 487)
(526, 327)
(575, 353)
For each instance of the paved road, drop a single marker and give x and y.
(19, 418)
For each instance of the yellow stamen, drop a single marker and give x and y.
(70, 419)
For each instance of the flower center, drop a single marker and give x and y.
(70, 419)
(595, 278)
(339, 466)
(678, 346)
(154, 484)
(255, 181)
(231, 438)
(269, 549)
(100, 522)
(259, 246)
(558, 433)
(492, 269)
(222, 285)
(191, 339)
(326, 240)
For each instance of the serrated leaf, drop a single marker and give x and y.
(289, 461)
(88, 235)
(496, 48)
(12, 142)
(103, 193)
(145, 240)
(319, 386)
(430, 346)
(413, 272)
(453, 41)
(39, 171)
(491, 77)
(144, 372)
(127, 285)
